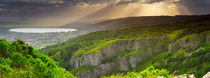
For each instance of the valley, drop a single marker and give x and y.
(176, 47)
(114, 49)
(39, 39)
(104, 38)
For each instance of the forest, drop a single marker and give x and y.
(18, 60)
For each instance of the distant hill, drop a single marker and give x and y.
(146, 21)
(180, 47)
(131, 22)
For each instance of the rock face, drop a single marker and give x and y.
(119, 63)
(93, 59)
(122, 45)
(192, 42)
(185, 76)
(207, 75)
(207, 37)
(108, 58)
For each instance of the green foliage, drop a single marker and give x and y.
(173, 35)
(82, 68)
(94, 47)
(110, 59)
(123, 54)
(182, 60)
(17, 47)
(4, 50)
(150, 72)
(189, 36)
(17, 59)
(202, 51)
(22, 61)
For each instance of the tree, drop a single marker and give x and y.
(4, 47)
(17, 59)
(17, 47)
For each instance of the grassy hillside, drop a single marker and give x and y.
(149, 72)
(184, 48)
(129, 22)
(18, 60)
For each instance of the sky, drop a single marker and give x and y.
(62, 12)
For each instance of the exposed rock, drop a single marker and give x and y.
(208, 38)
(129, 62)
(134, 60)
(207, 75)
(120, 63)
(93, 59)
(185, 76)
(132, 44)
(192, 43)
(192, 76)
(98, 71)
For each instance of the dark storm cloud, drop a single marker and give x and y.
(22, 10)
(196, 6)
(25, 7)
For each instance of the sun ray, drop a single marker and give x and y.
(90, 12)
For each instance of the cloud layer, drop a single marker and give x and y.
(195, 6)
(66, 11)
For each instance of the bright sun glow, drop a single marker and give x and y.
(84, 12)
(158, 9)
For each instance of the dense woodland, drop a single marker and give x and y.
(18, 60)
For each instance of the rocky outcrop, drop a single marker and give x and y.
(185, 76)
(99, 70)
(150, 46)
(207, 75)
(93, 59)
(132, 44)
(134, 60)
(119, 63)
(207, 35)
(191, 42)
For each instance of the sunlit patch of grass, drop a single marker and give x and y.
(82, 68)
(189, 36)
(95, 48)
(173, 35)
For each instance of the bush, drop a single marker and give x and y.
(149, 72)
(25, 62)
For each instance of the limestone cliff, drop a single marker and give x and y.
(119, 63)
(109, 58)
